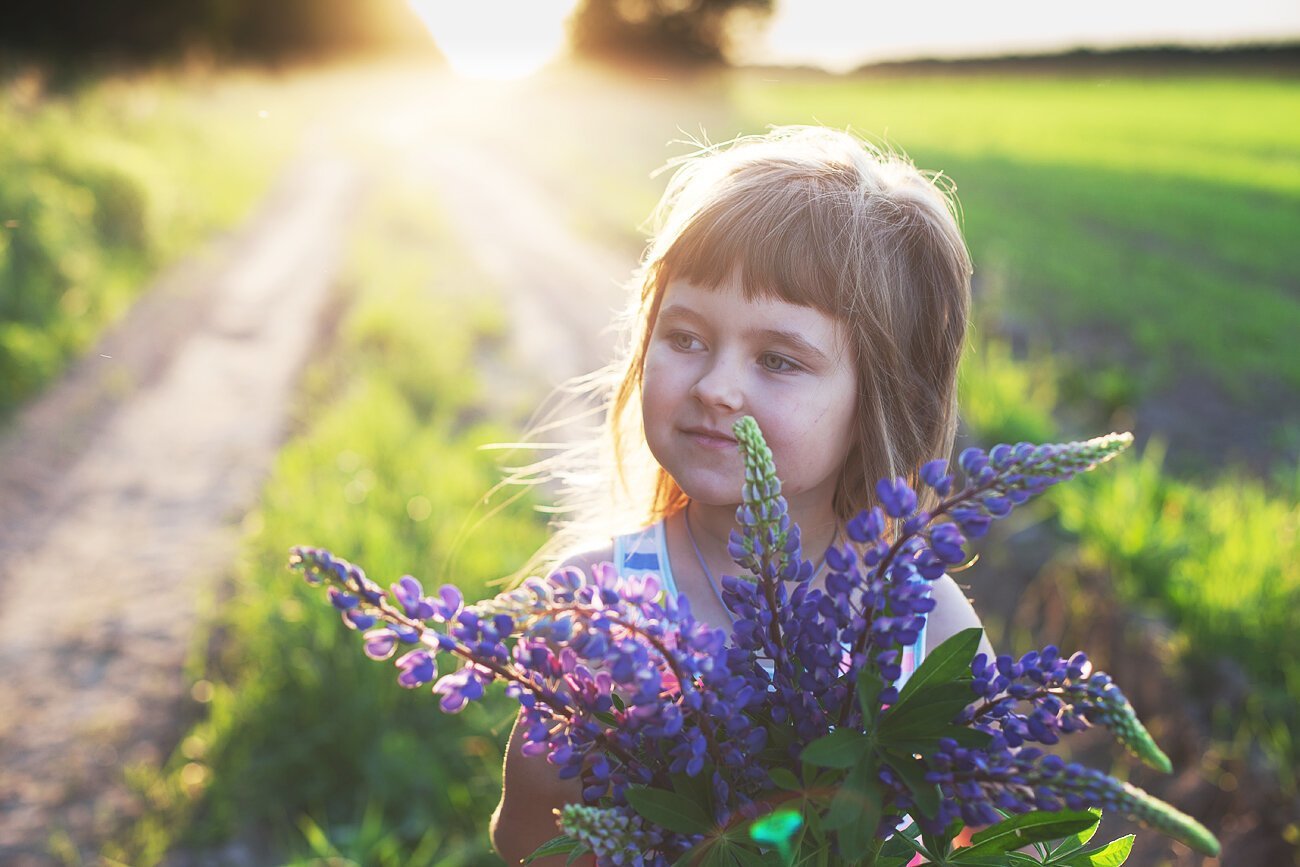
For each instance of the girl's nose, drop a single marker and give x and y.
(719, 386)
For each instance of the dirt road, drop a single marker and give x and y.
(120, 493)
(122, 488)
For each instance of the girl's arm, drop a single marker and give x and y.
(952, 613)
(531, 789)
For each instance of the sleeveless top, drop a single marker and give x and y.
(646, 550)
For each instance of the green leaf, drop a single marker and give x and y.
(696, 789)
(839, 749)
(749, 858)
(1113, 854)
(669, 810)
(717, 855)
(1029, 828)
(946, 663)
(856, 809)
(898, 848)
(554, 846)
(1079, 840)
(869, 687)
(578, 852)
(909, 743)
(692, 855)
(912, 773)
(783, 778)
(929, 710)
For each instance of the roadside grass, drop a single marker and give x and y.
(102, 186)
(306, 747)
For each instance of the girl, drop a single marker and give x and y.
(821, 286)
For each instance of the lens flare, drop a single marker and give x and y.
(496, 39)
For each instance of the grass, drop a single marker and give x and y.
(1139, 220)
(99, 188)
(306, 745)
(1219, 560)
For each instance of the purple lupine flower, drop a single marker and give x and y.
(935, 475)
(417, 667)
(408, 592)
(620, 687)
(896, 497)
(380, 643)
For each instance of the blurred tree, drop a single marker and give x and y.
(148, 30)
(677, 31)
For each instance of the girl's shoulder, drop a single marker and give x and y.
(585, 560)
(640, 551)
(952, 613)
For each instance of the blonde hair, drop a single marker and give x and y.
(814, 217)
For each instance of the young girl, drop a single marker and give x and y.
(809, 280)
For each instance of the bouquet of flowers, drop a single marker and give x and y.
(789, 741)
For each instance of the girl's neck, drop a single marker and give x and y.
(712, 526)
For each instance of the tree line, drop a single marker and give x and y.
(691, 31)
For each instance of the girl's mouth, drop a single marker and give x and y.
(709, 438)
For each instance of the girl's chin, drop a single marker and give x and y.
(714, 495)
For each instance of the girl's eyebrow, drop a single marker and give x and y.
(794, 341)
(679, 311)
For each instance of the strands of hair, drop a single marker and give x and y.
(809, 216)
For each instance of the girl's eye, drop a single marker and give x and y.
(777, 363)
(682, 340)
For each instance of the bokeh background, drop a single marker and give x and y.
(277, 273)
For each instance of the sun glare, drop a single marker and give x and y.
(496, 39)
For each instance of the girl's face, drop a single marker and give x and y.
(713, 357)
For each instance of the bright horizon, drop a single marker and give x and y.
(843, 34)
(514, 38)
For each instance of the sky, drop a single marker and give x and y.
(842, 34)
(510, 38)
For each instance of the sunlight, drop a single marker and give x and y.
(496, 39)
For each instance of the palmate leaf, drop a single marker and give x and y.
(1113, 854)
(561, 845)
(1079, 840)
(839, 749)
(669, 810)
(856, 809)
(929, 709)
(1017, 831)
(912, 773)
(950, 661)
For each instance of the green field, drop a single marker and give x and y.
(1147, 223)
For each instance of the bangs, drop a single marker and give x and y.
(782, 238)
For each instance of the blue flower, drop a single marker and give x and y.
(417, 667)
(897, 499)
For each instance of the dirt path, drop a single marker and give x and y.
(122, 488)
(120, 491)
